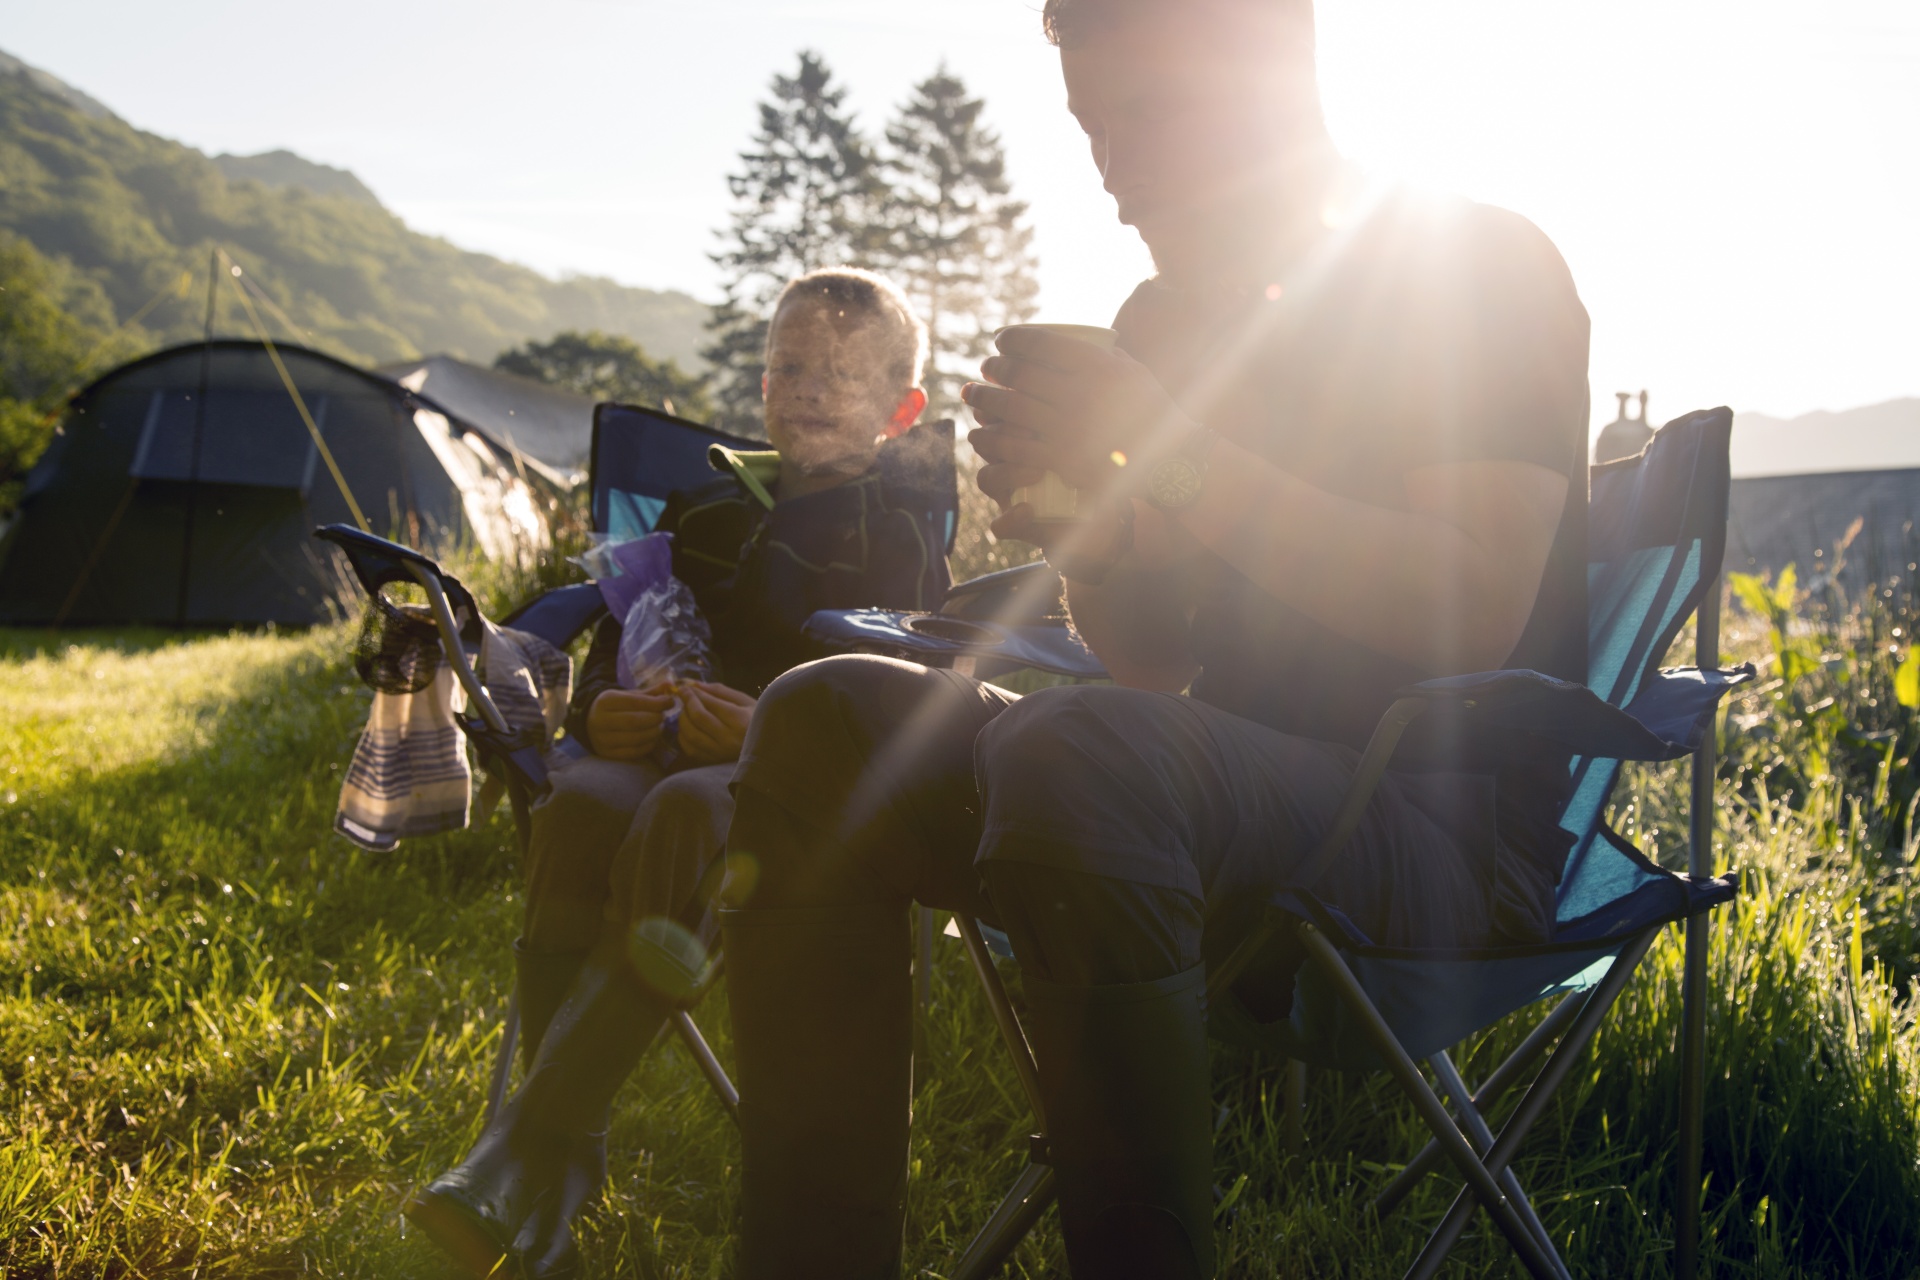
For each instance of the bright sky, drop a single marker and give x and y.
(1734, 182)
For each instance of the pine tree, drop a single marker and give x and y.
(951, 233)
(801, 201)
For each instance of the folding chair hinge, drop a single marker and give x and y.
(1037, 1152)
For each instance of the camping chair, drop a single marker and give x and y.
(1657, 534)
(639, 457)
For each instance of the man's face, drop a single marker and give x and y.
(1185, 130)
(829, 392)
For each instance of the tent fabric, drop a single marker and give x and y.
(546, 425)
(127, 520)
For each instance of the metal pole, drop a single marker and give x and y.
(1693, 978)
(1482, 1182)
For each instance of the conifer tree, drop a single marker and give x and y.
(802, 200)
(951, 233)
(954, 238)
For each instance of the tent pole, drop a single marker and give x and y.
(199, 427)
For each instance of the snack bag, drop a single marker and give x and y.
(662, 633)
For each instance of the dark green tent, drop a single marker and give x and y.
(156, 504)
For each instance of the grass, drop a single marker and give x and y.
(230, 1041)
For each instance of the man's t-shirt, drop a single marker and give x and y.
(759, 573)
(1427, 332)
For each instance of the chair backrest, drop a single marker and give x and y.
(641, 455)
(1657, 529)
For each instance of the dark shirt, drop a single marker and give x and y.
(1429, 332)
(759, 574)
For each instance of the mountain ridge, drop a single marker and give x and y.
(133, 215)
(1873, 437)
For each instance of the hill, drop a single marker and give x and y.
(1873, 437)
(130, 212)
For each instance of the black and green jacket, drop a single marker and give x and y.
(759, 568)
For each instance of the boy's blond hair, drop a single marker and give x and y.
(867, 294)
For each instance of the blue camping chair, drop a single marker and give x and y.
(1657, 530)
(639, 457)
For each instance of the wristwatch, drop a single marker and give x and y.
(1174, 482)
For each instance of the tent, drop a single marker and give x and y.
(551, 427)
(182, 489)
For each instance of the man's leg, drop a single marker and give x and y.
(1129, 837)
(626, 991)
(855, 793)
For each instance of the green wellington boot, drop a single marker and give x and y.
(516, 1194)
(541, 981)
(1125, 1083)
(823, 1036)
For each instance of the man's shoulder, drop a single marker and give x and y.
(1433, 238)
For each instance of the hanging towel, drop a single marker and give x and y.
(410, 776)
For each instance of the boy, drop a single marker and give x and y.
(620, 840)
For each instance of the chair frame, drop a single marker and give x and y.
(1464, 1136)
(522, 791)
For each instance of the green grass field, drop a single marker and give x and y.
(230, 1041)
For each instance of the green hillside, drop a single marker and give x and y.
(129, 212)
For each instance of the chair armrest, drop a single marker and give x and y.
(1663, 722)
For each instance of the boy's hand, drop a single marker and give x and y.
(713, 721)
(624, 724)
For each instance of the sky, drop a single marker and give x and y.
(1735, 183)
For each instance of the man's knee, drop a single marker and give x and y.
(1072, 777)
(1063, 739)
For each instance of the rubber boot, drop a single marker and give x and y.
(541, 981)
(542, 1161)
(1125, 1083)
(822, 1007)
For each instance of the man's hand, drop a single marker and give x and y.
(624, 724)
(713, 722)
(1054, 403)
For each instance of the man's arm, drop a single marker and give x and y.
(1445, 583)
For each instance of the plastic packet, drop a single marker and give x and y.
(664, 638)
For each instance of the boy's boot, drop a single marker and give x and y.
(541, 981)
(823, 1036)
(543, 1159)
(1124, 1079)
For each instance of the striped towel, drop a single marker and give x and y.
(409, 775)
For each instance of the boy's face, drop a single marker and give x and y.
(830, 395)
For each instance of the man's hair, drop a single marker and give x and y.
(1068, 23)
(869, 295)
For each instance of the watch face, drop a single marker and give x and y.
(1175, 483)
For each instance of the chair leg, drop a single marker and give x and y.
(682, 1023)
(1533, 1103)
(1032, 1193)
(1480, 1179)
(1693, 1082)
(1475, 1124)
(1293, 1125)
(1495, 1087)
